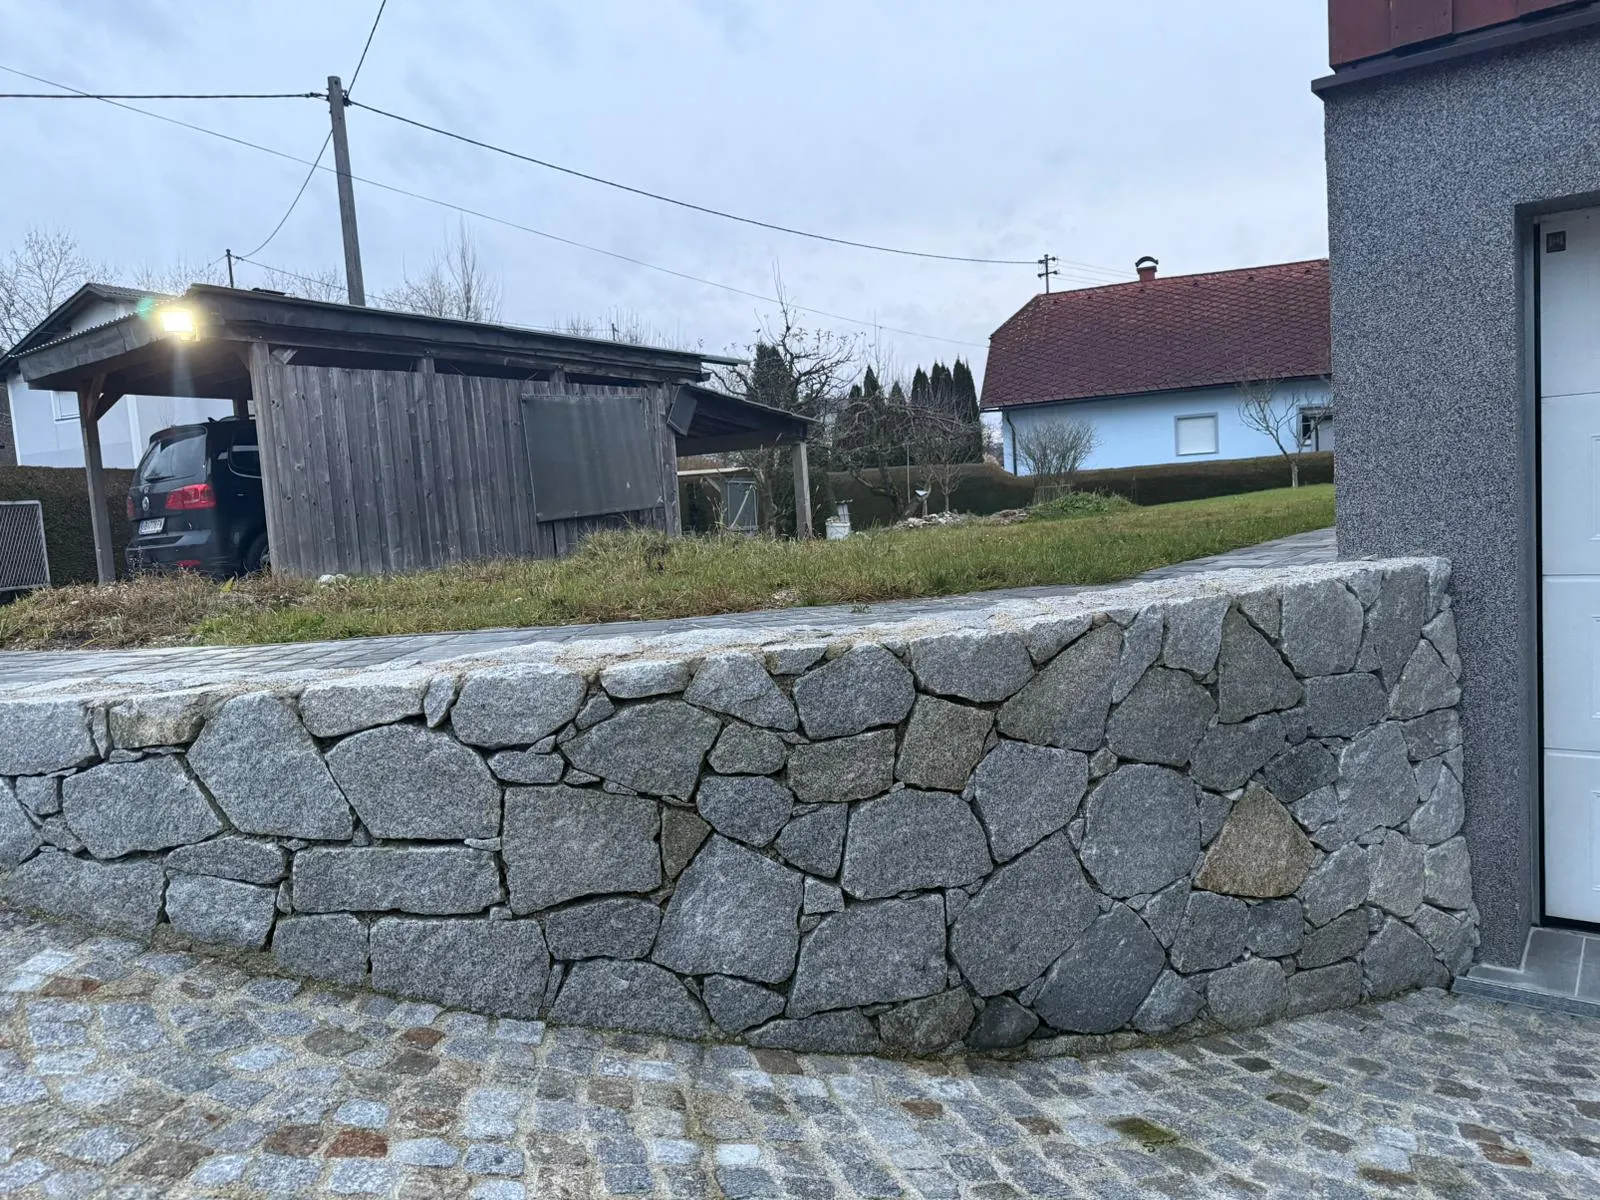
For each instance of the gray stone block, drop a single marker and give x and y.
(1025, 917)
(408, 782)
(734, 912)
(737, 1004)
(595, 709)
(18, 838)
(943, 742)
(1441, 631)
(335, 707)
(852, 768)
(741, 750)
(1394, 622)
(1252, 993)
(221, 911)
(527, 767)
(1045, 637)
(1338, 986)
(1194, 633)
(1142, 830)
(814, 842)
(1260, 852)
(1003, 1023)
(738, 684)
(1432, 735)
(1264, 609)
(1066, 703)
(1425, 685)
(747, 808)
(561, 843)
(861, 689)
(1344, 705)
(123, 897)
(39, 794)
(682, 832)
(1162, 720)
(1251, 678)
(848, 1032)
(656, 747)
(431, 880)
(161, 718)
(439, 698)
(1099, 983)
(38, 736)
(1323, 624)
(1398, 959)
(637, 680)
(1376, 786)
(1453, 936)
(871, 954)
(910, 840)
(615, 927)
(151, 804)
(1395, 867)
(515, 705)
(331, 948)
(1300, 771)
(1214, 810)
(794, 658)
(1277, 928)
(822, 897)
(1163, 912)
(638, 997)
(928, 1025)
(1213, 933)
(1141, 646)
(295, 798)
(1024, 793)
(1171, 1004)
(1343, 937)
(1339, 883)
(1441, 815)
(1447, 875)
(971, 664)
(496, 967)
(231, 856)
(1228, 755)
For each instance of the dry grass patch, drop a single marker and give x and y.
(618, 577)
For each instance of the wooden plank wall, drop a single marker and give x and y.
(384, 471)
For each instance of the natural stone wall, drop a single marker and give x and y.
(1210, 802)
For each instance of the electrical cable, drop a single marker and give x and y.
(163, 95)
(701, 208)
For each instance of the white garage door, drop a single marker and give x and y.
(1569, 410)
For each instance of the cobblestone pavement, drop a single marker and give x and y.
(22, 667)
(132, 1073)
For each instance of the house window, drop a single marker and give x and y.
(65, 404)
(1197, 434)
(1316, 428)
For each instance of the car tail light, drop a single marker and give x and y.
(194, 495)
(188, 564)
(130, 507)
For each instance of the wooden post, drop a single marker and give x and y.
(241, 407)
(802, 491)
(105, 562)
(258, 358)
(355, 287)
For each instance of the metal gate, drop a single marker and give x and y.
(24, 562)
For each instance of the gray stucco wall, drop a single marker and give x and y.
(1432, 177)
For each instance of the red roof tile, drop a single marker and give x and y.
(1179, 332)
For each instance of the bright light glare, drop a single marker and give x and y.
(177, 320)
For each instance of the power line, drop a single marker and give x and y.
(163, 95)
(483, 216)
(316, 162)
(700, 208)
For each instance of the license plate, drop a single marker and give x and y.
(153, 525)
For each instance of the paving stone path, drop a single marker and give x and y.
(134, 1073)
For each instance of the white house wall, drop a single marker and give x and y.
(1141, 430)
(45, 424)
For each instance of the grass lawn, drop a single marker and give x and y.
(628, 576)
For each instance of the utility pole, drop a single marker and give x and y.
(353, 282)
(229, 253)
(1047, 269)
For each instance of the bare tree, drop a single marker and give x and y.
(37, 276)
(456, 284)
(323, 283)
(1056, 447)
(174, 278)
(939, 438)
(1269, 408)
(628, 327)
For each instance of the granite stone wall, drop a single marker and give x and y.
(1206, 803)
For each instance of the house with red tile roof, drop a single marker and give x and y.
(1156, 365)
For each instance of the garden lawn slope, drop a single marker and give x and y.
(637, 576)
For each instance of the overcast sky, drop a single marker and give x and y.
(1095, 131)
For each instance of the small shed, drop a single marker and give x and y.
(394, 442)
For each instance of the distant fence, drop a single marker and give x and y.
(24, 562)
(64, 501)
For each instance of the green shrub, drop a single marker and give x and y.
(64, 494)
(1079, 504)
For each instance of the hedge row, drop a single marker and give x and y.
(68, 535)
(986, 488)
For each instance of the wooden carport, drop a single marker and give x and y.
(392, 441)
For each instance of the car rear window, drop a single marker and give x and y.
(176, 459)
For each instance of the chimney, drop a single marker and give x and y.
(1146, 267)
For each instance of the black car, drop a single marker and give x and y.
(196, 501)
